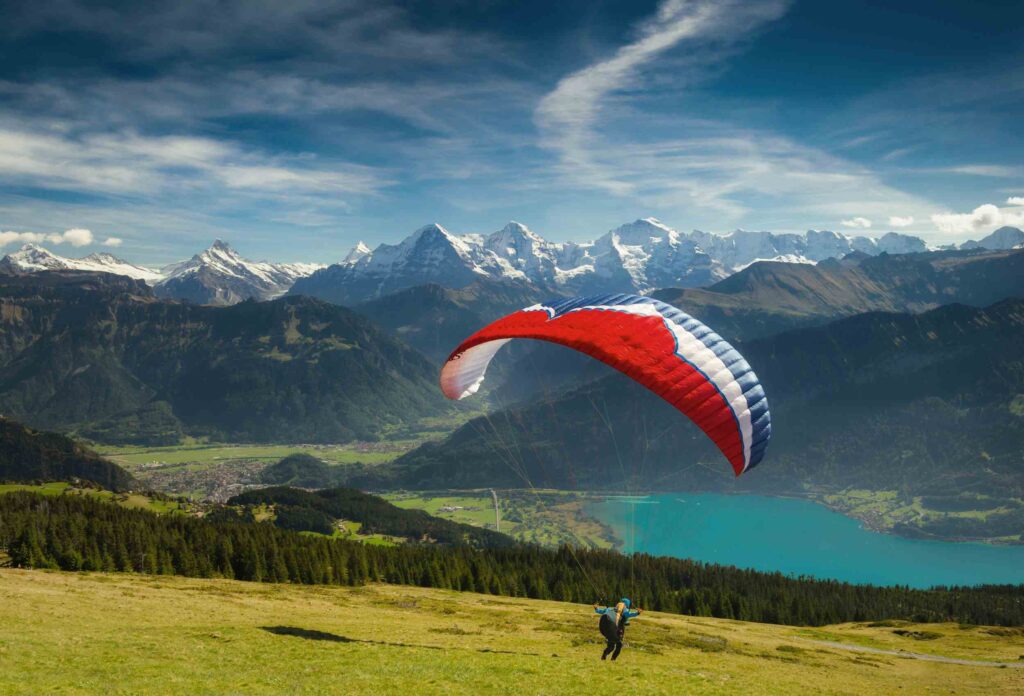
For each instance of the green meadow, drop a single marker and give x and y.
(77, 633)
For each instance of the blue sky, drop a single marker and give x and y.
(295, 129)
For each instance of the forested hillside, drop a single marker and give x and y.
(99, 355)
(376, 515)
(29, 455)
(78, 533)
(433, 319)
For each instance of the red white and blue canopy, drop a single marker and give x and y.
(661, 347)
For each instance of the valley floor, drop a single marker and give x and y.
(92, 633)
(215, 472)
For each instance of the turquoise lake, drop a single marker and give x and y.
(798, 537)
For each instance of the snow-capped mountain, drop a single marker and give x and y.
(220, 276)
(635, 257)
(1003, 238)
(646, 254)
(741, 248)
(32, 258)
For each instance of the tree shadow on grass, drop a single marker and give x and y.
(310, 634)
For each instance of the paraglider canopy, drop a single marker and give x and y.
(661, 347)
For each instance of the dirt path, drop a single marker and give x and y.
(915, 656)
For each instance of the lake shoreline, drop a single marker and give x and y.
(797, 535)
(873, 523)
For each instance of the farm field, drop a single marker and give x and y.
(545, 517)
(86, 633)
(218, 471)
(886, 510)
(367, 453)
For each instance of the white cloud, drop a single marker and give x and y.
(859, 222)
(984, 218)
(1015, 200)
(113, 242)
(901, 220)
(76, 237)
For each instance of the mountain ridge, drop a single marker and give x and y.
(218, 275)
(634, 257)
(102, 356)
(639, 256)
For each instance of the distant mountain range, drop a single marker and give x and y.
(99, 355)
(637, 257)
(32, 258)
(216, 276)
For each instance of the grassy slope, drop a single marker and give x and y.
(87, 633)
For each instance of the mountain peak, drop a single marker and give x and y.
(1005, 237)
(220, 275)
(432, 229)
(511, 233)
(642, 231)
(517, 228)
(359, 251)
(32, 257)
(33, 247)
(653, 222)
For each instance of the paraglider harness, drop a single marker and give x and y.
(612, 630)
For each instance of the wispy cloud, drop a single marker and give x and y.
(235, 32)
(567, 116)
(901, 220)
(991, 170)
(130, 163)
(587, 122)
(1015, 200)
